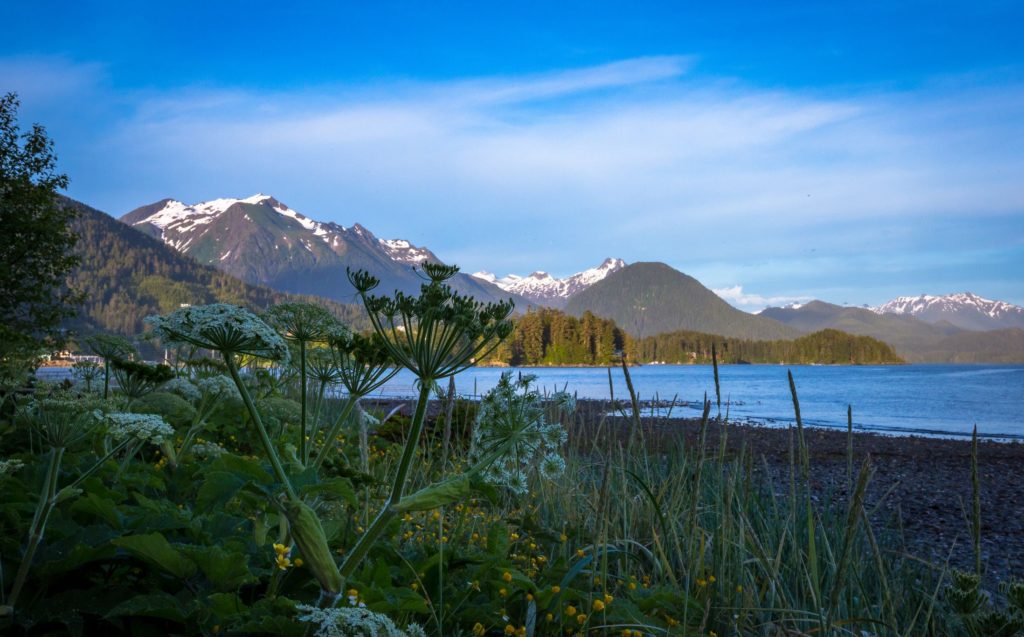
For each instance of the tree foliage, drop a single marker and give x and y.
(37, 249)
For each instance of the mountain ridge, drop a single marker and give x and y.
(962, 309)
(263, 241)
(544, 289)
(648, 298)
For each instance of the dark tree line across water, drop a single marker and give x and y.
(551, 337)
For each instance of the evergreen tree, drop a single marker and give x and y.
(37, 249)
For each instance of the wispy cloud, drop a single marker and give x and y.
(643, 158)
(755, 302)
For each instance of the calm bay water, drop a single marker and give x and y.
(927, 399)
(945, 400)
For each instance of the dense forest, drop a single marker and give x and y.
(125, 276)
(551, 337)
(546, 336)
(829, 347)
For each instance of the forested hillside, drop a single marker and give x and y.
(126, 275)
(550, 337)
(829, 347)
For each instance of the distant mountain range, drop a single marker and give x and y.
(914, 339)
(262, 241)
(126, 275)
(544, 289)
(965, 310)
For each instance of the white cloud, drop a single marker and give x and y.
(642, 158)
(755, 302)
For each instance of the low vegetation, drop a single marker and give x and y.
(205, 499)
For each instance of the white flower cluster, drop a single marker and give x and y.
(221, 327)
(146, 427)
(354, 621)
(182, 387)
(10, 466)
(219, 386)
(511, 424)
(208, 450)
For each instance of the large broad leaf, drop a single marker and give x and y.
(162, 605)
(218, 488)
(100, 507)
(155, 548)
(333, 489)
(226, 570)
(226, 605)
(242, 467)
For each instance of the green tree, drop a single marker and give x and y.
(37, 250)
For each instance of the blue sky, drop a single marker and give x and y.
(776, 151)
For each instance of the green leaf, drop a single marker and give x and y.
(162, 605)
(333, 489)
(242, 467)
(497, 540)
(226, 605)
(155, 548)
(226, 570)
(100, 507)
(218, 488)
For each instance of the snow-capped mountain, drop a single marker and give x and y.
(261, 240)
(965, 310)
(544, 289)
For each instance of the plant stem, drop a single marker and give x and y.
(333, 431)
(302, 392)
(268, 446)
(362, 547)
(47, 500)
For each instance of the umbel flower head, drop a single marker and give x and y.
(438, 333)
(222, 327)
(145, 427)
(362, 363)
(302, 322)
(356, 621)
(512, 437)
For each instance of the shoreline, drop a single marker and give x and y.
(920, 489)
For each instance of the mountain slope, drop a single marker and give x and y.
(127, 275)
(965, 310)
(913, 339)
(544, 289)
(652, 298)
(262, 241)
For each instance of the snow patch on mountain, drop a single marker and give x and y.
(965, 309)
(177, 222)
(542, 287)
(916, 305)
(402, 251)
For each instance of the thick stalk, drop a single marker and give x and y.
(387, 512)
(106, 378)
(302, 393)
(333, 431)
(315, 429)
(268, 446)
(47, 500)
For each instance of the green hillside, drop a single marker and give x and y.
(652, 298)
(126, 275)
(827, 347)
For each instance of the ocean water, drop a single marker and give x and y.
(938, 400)
(946, 400)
